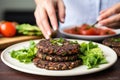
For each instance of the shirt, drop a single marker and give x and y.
(84, 11)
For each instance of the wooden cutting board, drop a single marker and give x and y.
(5, 42)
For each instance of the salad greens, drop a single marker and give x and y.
(25, 55)
(91, 55)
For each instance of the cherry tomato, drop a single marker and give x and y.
(87, 30)
(8, 29)
(106, 32)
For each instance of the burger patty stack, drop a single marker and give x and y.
(57, 54)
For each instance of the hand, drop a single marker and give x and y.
(46, 9)
(110, 17)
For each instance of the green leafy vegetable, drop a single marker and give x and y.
(27, 29)
(59, 41)
(92, 55)
(116, 39)
(25, 55)
(74, 42)
(86, 47)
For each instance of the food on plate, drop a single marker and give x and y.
(86, 29)
(59, 47)
(8, 29)
(52, 65)
(117, 50)
(91, 55)
(60, 54)
(56, 57)
(25, 55)
(114, 43)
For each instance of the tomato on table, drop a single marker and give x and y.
(0, 30)
(7, 29)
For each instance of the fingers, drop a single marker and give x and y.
(103, 11)
(50, 9)
(46, 10)
(109, 12)
(112, 19)
(42, 22)
(115, 25)
(61, 10)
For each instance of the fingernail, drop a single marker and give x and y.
(99, 18)
(62, 19)
(49, 33)
(55, 28)
(47, 37)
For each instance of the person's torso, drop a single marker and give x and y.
(84, 11)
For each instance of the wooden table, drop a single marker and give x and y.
(112, 73)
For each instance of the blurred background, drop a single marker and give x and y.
(21, 11)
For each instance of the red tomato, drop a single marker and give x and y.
(0, 29)
(72, 30)
(106, 32)
(8, 29)
(87, 30)
(90, 31)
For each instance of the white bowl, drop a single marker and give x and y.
(87, 37)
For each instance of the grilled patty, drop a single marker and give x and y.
(112, 42)
(117, 50)
(56, 65)
(61, 49)
(56, 57)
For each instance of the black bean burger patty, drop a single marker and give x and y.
(61, 49)
(56, 65)
(117, 50)
(112, 42)
(56, 57)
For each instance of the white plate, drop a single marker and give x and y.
(89, 37)
(32, 69)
